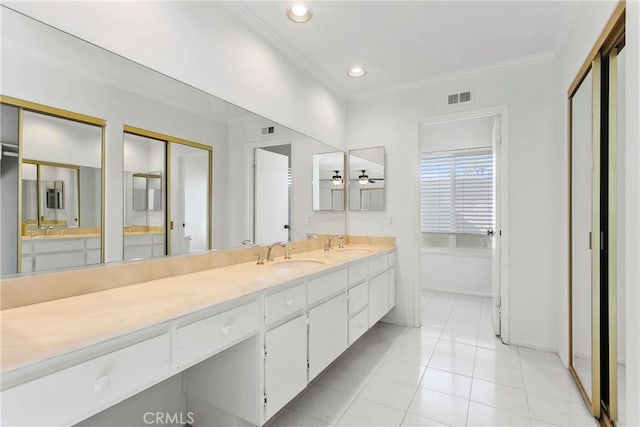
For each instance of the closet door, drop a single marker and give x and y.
(585, 236)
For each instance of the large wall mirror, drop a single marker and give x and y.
(163, 195)
(51, 188)
(366, 179)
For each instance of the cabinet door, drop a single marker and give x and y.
(285, 373)
(378, 297)
(392, 288)
(327, 333)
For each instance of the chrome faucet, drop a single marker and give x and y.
(48, 230)
(329, 245)
(272, 247)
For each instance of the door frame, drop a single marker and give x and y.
(249, 183)
(501, 111)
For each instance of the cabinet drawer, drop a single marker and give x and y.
(57, 245)
(378, 265)
(358, 298)
(285, 302)
(358, 325)
(325, 286)
(204, 337)
(70, 395)
(93, 243)
(357, 273)
(135, 240)
(158, 239)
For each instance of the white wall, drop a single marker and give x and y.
(43, 65)
(224, 57)
(456, 271)
(535, 192)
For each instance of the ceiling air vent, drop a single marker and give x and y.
(465, 96)
(453, 99)
(268, 131)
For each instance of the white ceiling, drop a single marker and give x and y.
(403, 42)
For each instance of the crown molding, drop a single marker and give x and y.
(256, 24)
(457, 75)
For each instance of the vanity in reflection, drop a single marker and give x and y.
(132, 165)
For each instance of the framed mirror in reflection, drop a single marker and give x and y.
(367, 179)
(328, 181)
(52, 188)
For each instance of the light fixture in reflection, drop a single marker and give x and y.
(363, 179)
(336, 179)
(356, 72)
(299, 13)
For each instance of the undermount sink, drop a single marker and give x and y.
(297, 263)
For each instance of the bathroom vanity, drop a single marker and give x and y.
(247, 338)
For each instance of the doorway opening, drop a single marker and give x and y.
(272, 193)
(463, 209)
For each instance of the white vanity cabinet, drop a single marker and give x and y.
(327, 333)
(63, 252)
(285, 363)
(378, 297)
(246, 358)
(70, 395)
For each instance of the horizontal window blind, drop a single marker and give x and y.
(458, 192)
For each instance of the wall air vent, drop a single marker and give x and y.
(268, 131)
(459, 98)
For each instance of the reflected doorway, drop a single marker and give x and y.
(272, 194)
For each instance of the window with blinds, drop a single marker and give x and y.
(458, 192)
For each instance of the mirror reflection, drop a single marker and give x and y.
(144, 197)
(581, 207)
(328, 181)
(366, 179)
(164, 197)
(61, 193)
(190, 201)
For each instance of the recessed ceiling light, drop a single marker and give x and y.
(299, 13)
(356, 72)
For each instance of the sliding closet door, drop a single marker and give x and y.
(585, 236)
(614, 398)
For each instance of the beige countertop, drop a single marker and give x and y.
(60, 236)
(36, 332)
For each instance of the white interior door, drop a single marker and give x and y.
(497, 238)
(271, 197)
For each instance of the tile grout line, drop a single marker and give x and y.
(428, 362)
(370, 377)
(473, 370)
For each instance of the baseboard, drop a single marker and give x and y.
(530, 346)
(458, 292)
